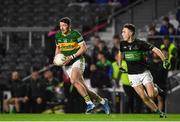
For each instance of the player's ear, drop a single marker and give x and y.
(130, 33)
(69, 26)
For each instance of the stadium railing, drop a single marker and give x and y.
(7, 30)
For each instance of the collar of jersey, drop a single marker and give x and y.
(132, 41)
(68, 33)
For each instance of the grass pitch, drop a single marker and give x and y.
(85, 118)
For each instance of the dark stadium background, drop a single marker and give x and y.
(27, 44)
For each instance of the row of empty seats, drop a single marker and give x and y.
(47, 13)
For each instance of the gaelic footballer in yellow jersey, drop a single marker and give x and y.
(70, 43)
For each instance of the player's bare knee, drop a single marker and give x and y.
(151, 95)
(75, 83)
(73, 79)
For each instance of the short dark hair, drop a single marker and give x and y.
(131, 27)
(66, 20)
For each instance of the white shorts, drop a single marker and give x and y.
(138, 79)
(80, 63)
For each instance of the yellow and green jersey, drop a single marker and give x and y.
(69, 44)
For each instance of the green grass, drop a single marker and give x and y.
(83, 117)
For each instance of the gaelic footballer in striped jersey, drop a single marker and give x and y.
(71, 44)
(133, 51)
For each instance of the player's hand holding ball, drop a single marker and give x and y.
(68, 59)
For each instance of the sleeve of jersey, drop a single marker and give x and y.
(147, 46)
(79, 38)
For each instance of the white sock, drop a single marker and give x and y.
(89, 102)
(102, 101)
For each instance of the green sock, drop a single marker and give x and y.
(158, 111)
(87, 98)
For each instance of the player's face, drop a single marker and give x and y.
(64, 27)
(126, 34)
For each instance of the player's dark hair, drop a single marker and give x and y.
(131, 27)
(66, 20)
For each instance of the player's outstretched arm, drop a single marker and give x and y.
(159, 53)
(166, 64)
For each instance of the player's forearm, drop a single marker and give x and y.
(159, 53)
(80, 51)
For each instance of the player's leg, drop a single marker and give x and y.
(149, 85)
(75, 73)
(148, 101)
(91, 93)
(141, 92)
(136, 82)
(75, 80)
(153, 93)
(160, 102)
(151, 90)
(96, 97)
